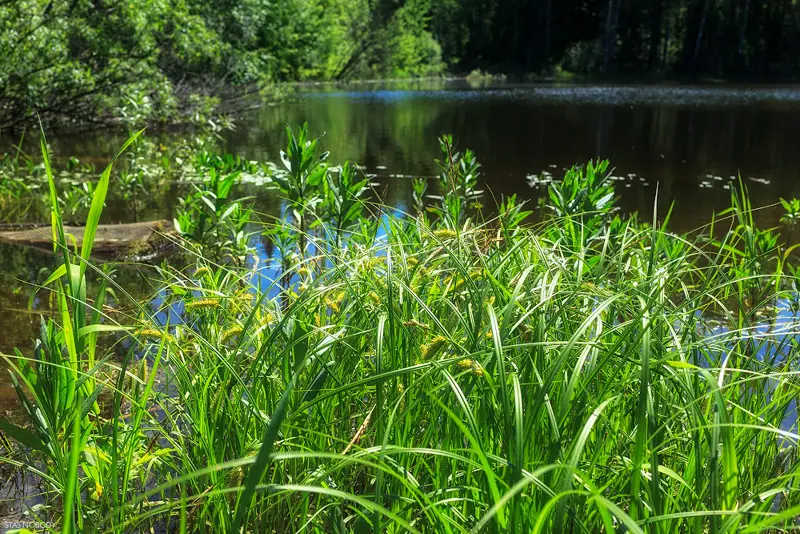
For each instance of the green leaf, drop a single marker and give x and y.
(264, 457)
(98, 201)
(95, 328)
(23, 436)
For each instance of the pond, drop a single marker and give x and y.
(690, 142)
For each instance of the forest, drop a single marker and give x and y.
(164, 60)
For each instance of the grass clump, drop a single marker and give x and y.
(437, 373)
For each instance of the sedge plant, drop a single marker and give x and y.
(447, 374)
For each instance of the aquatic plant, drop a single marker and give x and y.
(584, 190)
(16, 193)
(76, 200)
(343, 202)
(211, 218)
(459, 174)
(58, 387)
(478, 376)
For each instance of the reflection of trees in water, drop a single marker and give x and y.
(516, 132)
(398, 135)
(360, 129)
(22, 270)
(670, 144)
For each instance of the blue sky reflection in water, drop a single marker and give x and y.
(772, 341)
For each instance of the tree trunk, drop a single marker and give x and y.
(665, 51)
(547, 16)
(699, 39)
(743, 31)
(657, 17)
(611, 32)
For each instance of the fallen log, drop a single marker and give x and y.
(138, 241)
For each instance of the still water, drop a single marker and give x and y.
(691, 142)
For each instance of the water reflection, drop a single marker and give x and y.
(688, 142)
(673, 137)
(676, 137)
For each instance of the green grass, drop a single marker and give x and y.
(432, 373)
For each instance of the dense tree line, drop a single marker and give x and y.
(161, 59)
(685, 38)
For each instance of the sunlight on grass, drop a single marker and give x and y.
(439, 371)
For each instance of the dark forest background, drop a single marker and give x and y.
(749, 39)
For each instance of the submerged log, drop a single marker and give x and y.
(134, 241)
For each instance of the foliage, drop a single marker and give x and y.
(149, 163)
(791, 211)
(414, 375)
(58, 387)
(583, 200)
(76, 201)
(419, 188)
(171, 60)
(408, 49)
(458, 177)
(685, 38)
(211, 219)
(343, 199)
(77, 58)
(177, 60)
(15, 192)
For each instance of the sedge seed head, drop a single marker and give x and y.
(459, 284)
(144, 370)
(466, 363)
(150, 332)
(244, 295)
(203, 304)
(153, 333)
(374, 261)
(333, 305)
(445, 233)
(415, 324)
(229, 333)
(430, 349)
(202, 271)
(335, 301)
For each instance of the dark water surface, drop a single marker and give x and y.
(691, 141)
